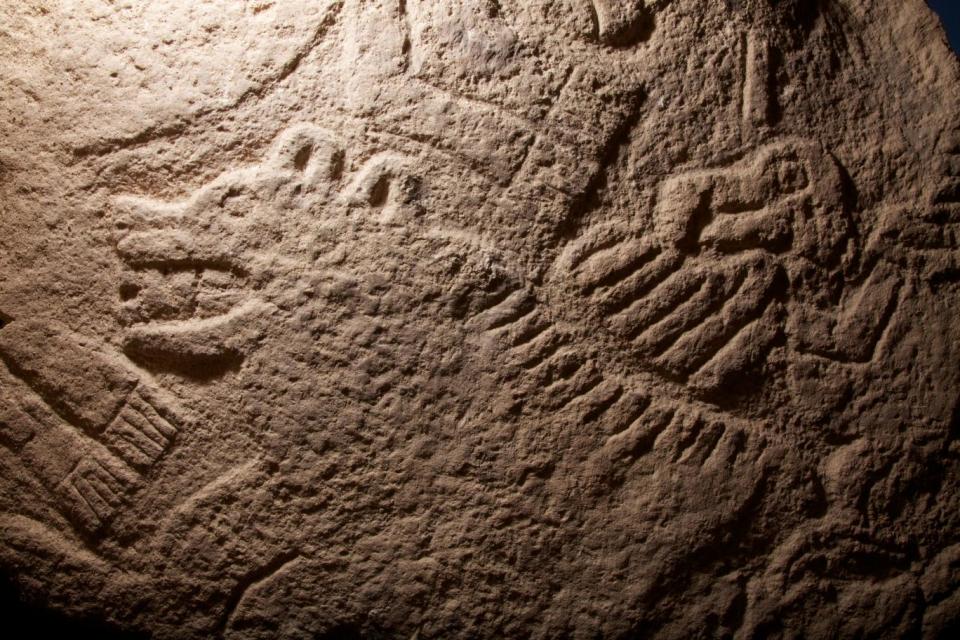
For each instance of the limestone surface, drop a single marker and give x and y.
(481, 319)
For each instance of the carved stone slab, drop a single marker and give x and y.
(481, 319)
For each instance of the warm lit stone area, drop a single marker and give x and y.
(481, 319)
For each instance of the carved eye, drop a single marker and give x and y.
(302, 158)
(310, 151)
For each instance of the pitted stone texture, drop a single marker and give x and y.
(559, 318)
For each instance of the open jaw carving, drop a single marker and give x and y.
(226, 239)
(209, 275)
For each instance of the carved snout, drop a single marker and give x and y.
(162, 237)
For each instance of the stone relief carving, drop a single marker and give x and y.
(542, 319)
(86, 425)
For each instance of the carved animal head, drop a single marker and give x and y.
(211, 269)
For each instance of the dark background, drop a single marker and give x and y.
(949, 11)
(42, 623)
(19, 620)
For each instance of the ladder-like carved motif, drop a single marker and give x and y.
(84, 424)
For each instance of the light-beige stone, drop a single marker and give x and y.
(481, 319)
